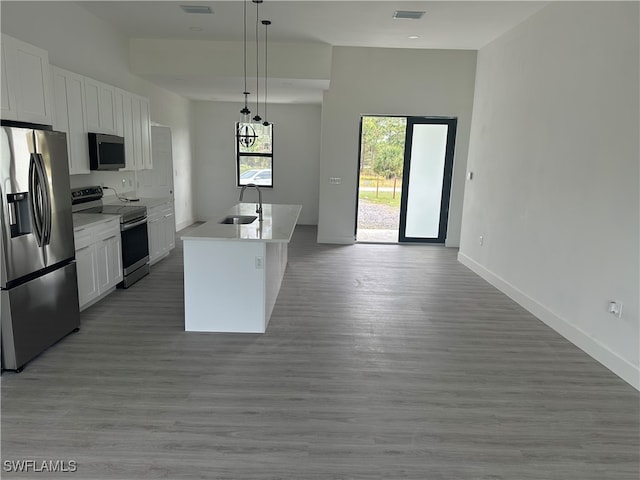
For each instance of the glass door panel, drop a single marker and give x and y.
(425, 182)
(427, 174)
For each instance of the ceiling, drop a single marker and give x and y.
(467, 25)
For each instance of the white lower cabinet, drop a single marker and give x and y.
(162, 231)
(109, 258)
(169, 228)
(86, 266)
(98, 260)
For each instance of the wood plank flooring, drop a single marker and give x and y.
(380, 362)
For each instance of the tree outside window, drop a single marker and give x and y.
(255, 162)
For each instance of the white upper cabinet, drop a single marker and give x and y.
(141, 132)
(26, 82)
(100, 106)
(9, 108)
(137, 130)
(124, 127)
(68, 95)
(85, 105)
(145, 125)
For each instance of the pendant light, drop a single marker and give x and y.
(266, 24)
(257, 117)
(245, 133)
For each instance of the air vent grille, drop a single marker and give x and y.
(409, 14)
(195, 9)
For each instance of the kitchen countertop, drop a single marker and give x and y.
(85, 219)
(153, 202)
(278, 224)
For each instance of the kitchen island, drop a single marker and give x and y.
(233, 272)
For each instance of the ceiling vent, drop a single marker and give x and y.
(411, 15)
(195, 9)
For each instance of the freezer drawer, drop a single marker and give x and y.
(37, 314)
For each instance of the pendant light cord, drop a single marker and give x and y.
(266, 24)
(245, 50)
(257, 117)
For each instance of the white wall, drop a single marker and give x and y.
(296, 147)
(376, 81)
(81, 42)
(554, 151)
(175, 112)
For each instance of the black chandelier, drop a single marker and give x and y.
(246, 133)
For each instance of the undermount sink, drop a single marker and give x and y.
(238, 219)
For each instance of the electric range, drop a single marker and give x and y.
(133, 229)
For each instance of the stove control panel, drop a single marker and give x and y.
(86, 194)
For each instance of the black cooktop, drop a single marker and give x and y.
(89, 200)
(128, 213)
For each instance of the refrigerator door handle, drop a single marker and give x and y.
(44, 186)
(35, 196)
(41, 201)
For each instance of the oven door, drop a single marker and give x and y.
(135, 245)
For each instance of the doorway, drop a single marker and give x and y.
(380, 172)
(404, 182)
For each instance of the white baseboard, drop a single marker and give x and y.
(600, 352)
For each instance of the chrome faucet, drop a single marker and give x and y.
(259, 206)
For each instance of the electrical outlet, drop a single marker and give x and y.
(615, 309)
(259, 263)
(335, 180)
(481, 240)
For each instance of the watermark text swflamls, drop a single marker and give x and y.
(40, 466)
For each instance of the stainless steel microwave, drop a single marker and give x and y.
(106, 152)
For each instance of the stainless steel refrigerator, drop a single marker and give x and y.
(39, 291)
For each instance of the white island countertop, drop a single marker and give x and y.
(277, 225)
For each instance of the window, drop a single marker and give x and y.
(255, 163)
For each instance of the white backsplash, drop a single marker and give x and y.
(122, 181)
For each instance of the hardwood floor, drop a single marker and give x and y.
(380, 362)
